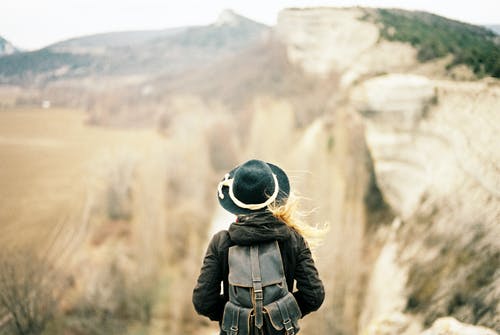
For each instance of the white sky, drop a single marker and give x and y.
(31, 24)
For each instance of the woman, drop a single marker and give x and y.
(258, 193)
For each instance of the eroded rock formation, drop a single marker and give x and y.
(433, 146)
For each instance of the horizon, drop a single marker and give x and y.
(81, 18)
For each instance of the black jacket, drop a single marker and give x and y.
(297, 262)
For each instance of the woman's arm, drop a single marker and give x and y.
(310, 291)
(207, 299)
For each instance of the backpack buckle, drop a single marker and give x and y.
(289, 330)
(258, 295)
(234, 330)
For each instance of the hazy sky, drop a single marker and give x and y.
(32, 24)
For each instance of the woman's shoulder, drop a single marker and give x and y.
(296, 241)
(297, 237)
(221, 240)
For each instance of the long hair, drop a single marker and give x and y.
(293, 217)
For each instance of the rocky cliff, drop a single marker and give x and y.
(436, 160)
(326, 40)
(432, 146)
(362, 41)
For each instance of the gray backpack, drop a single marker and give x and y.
(259, 300)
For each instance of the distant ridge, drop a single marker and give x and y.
(93, 43)
(148, 53)
(219, 33)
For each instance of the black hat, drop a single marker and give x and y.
(252, 186)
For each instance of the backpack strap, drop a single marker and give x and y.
(287, 322)
(234, 323)
(257, 285)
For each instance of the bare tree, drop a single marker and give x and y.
(29, 293)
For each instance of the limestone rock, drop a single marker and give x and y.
(394, 323)
(393, 106)
(396, 100)
(227, 17)
(382, 57)
(436, 159)
(6, 48)
(450, 326)
(322, 40)
(385, 291)
(425, 135)
(340, 40)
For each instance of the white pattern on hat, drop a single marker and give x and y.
(229, 183)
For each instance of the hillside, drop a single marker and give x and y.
(43, 65)
(435, 36)
(261, 69)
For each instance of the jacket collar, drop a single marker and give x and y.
(258, 228)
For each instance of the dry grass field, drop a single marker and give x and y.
(48, 157)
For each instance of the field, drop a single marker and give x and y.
(48, 159)
(94, 202)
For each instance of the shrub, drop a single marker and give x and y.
(435, 36)
(116, 303)
(30, 290)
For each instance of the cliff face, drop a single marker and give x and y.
(432, 147)
(438, 169)
(429, 137)
(308, 35)
(326, 40)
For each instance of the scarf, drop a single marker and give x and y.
(258, 228)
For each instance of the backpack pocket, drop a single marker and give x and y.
(236, 319)
(284, 315)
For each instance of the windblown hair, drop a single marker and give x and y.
(293, 217)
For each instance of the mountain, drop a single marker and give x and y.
(222, 32)
(144, 53)
(6, 48)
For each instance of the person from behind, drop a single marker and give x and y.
(269, 279)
